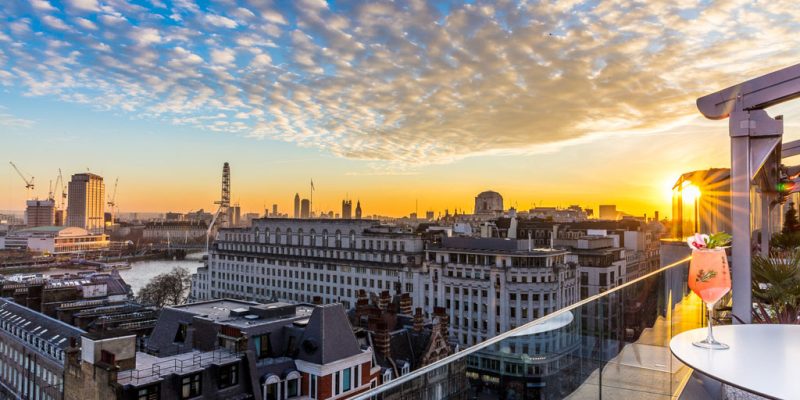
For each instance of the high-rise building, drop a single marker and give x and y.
(40, 213)
(297, 205)
(234, 215)
(305, 208)
(429, 215)
(609, 212)
(86, 208)
(274, 210)
(347, 209)
(358, 210)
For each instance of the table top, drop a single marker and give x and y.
(763, 359)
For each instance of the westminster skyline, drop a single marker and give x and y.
(387, 103)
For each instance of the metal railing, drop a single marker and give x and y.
(613, 344)
(177, 364)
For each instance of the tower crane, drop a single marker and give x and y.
(63, 186)
(28, 182)
(112, 202)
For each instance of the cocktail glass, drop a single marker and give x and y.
(710, 278)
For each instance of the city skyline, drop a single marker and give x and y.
(424, 112)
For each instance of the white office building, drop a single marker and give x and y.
(297, 260)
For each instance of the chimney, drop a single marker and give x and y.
(362, 309)
(382, 340)
(384, 301)
(444, 320)
(405, 304)
(419, 322)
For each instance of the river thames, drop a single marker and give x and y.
(142, 272)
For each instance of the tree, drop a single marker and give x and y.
(776, 288)
(167, 289)
(790, 222)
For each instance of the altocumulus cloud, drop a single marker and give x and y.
(405, 81)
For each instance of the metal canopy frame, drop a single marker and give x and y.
(756, 154)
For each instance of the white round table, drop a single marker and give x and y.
(763, 359)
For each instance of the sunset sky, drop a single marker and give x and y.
(385, 102)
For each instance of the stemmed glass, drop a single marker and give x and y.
(710, 278)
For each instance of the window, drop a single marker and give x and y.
(312, 392)
(291, 387)
(148, 393)
(180, 335)
(228, 376)
(190, 386)
(336, 383)
(346, 382)
(262, 346)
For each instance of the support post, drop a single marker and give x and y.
(740, 220)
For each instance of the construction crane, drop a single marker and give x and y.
(28, 182)
(112, 202)
(63, 186)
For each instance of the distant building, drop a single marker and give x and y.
(274, 210)
(609, 212)
(489, 203)
(86, 205)
(358, 209)
(199, 215)
(488, 286)
(305, 209)
(347, 209)
(248, 218)
(173, 216)
(570, 214)
(429, 215)
(40, 213)
(234, 216)
(284, 259)
(57, 240)
(297, 205)
(175, 231)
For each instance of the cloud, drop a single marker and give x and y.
(401, 80)
(11, 121)
(223, 56)
(84, 5)
(42, 5)
(220, 21)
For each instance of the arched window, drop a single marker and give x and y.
(325, 238)
(352, 243)
(300, 238)
(267, 238)
(338, 239)
(277, 236)
(313, 238)
(289, 237)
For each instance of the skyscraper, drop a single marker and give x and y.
(305, 209)
(86, 207)
(358, 209)
(40, 213)
(297, 205)
(347, 209)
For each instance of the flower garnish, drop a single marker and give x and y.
(697, 241)
(713, 241)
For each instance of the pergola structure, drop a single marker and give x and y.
(756, 154)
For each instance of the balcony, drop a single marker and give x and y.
(614, 345)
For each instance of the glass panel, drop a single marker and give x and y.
(614, 345)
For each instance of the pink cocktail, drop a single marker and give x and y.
(710, 278)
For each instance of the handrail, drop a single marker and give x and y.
(508, 334)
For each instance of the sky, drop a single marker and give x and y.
(401, 105)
